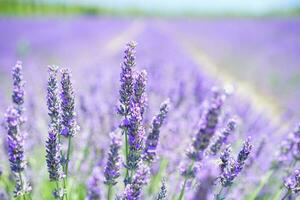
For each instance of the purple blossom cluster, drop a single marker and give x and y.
(230, 167)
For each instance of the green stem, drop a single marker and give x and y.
(126, 154)
(184, 183)
(182, 189)
(109, 192)
(65, 181)
(287, 194)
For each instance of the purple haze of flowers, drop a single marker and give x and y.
(290, 146)
(222, 137)
(15, 143)
(208, 125)
(18, 87)
(69, 123)
(127, 79)
(292, 183)
(230, 168)
(139, 91)
(133, 191)
(94, 185)
(112, 169)
(153, 136)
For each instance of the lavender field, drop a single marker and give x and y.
(166, 109)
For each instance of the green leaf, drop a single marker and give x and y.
(262, 183)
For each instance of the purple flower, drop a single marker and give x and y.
(225, 158)
(245, 151)
(133, 191)
(153, 136)
(292, 183)
(53, 101)
(230, 168)
(70, 127)
(208, 125)
(53, 156)
(127, 79)
(112, 169)
(18, 87)
(290, 147)
(139, 91)
(162, 195)
(94, 185)
(136, 134)
(222, 137)
(15, 143)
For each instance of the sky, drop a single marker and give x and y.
(256, 6)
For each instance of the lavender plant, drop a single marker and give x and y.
(112, 168)
(69, 126)
(53, 149)
(15, 143)
(126, 92)
(153, 136)
(201, 140)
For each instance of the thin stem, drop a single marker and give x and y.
(126, 154)
(287, 194)
(65, 181)
(109, 192)
(68, 157)
(219, 195)
(184, 183)
(182, 189)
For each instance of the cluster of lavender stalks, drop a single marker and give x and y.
(140, 146)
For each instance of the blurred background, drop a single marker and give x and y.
(254, 44)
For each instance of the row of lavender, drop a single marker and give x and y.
(139, 166)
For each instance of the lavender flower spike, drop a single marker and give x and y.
(127, 79)
(53, 101)
(15, 143)
(69, 123)
(231, 168)
(136, 134)
(245, 151)
(18, 87)
(139, 90)
(162, 195)
(222, 137)
(153, 136)
(112, 169)
(208, 125)
(225, 158)
(53, 156)
(133, 191)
